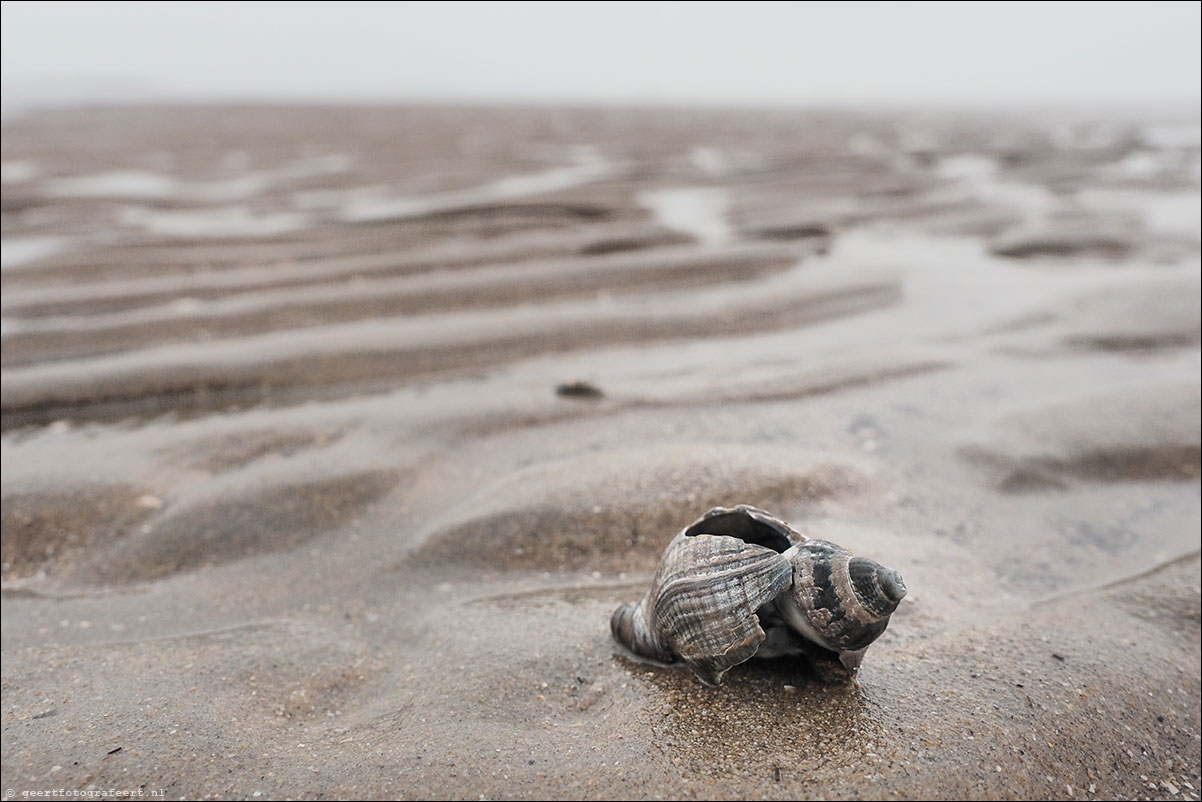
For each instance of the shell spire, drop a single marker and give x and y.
(838, 601)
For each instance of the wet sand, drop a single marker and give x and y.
(291, 506)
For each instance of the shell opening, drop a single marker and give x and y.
(739, 524)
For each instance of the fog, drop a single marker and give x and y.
(711, 53)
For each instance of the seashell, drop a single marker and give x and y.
(701, 607)
(740, 582)
(837, 601)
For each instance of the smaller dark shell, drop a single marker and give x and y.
(846, 601)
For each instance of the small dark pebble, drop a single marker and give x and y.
(1018, 685)
(530, 761)
(1160, 719)
(578, 389)
(47, 714)
(115, 751)
(1059, 657)
(786, 233)
(776, 774)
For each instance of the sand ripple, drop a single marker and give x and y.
(291, 507)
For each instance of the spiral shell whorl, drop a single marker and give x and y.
(878, 588)
(629, 626)
(846, 600)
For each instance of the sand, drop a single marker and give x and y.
(292, 507)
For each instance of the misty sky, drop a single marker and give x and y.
(753, 53)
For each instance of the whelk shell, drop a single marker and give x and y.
(740, 582)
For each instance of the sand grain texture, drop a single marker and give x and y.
(292, 506)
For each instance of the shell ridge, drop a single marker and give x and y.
(706, 606)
